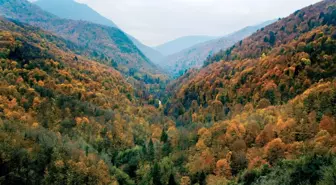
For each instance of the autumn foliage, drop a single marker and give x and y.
(262, 112)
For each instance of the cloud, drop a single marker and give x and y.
(157, 21)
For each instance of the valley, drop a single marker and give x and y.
(82, 102)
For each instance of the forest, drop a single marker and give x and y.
(261, 112)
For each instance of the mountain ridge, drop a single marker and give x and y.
(67, 9)
(233, 67)
(181, 43)
(106, 44)
(267, 38)
(195, 56)
(70, 9)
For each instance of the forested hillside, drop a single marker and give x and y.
(280, 33)
(66, 119)
(262, 112)
(272, 78)
(101, 43)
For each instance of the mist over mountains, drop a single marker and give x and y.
(195, 56)
(182, 43)
(69, 9)
(175, 56)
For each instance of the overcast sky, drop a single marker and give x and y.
(157, 21)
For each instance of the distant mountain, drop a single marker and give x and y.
(152, 54)
(70, 9)
(195, 56)
(182, 43)
(102, 43)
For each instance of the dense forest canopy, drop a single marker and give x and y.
(261, 112)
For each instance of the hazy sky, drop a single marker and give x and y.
(157, 21)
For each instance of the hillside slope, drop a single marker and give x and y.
(194, 57)
(69, 9)
(263, 115)
(275, 77)
(64, 119)
(105, 44)
(285, 144)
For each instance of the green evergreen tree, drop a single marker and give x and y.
(151, 151)
(164, 136)
(272, 38)
(202, 179)
(156, 174)
(86, 150)
(172, 180)
(166, 149)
